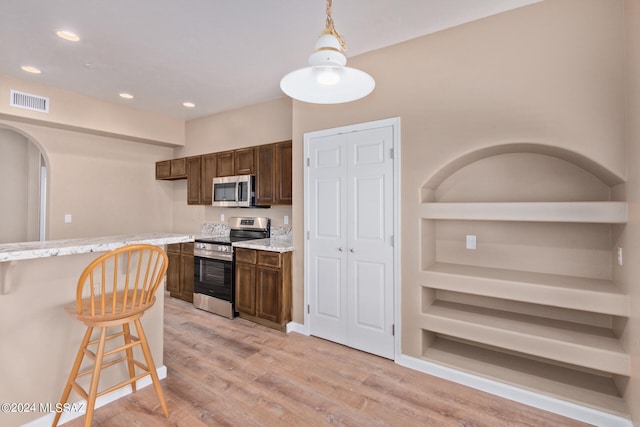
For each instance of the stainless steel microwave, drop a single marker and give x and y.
(234, 191)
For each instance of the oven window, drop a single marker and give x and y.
(214, 278)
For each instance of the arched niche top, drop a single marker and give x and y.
(606, 176)
(29, 137)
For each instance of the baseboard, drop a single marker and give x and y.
(536, 400)
(47, 420)
(297, 327)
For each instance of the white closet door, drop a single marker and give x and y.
(350, 247)
(327, 262)
(369, 237)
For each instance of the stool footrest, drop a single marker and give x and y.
(134, 341)
(123, 383)
(78, 389)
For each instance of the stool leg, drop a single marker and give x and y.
(151, 366)
(95, 378)
(73, 373)
(127, 340)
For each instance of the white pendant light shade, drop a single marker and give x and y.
(327, 80)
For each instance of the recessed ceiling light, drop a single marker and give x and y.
(30, 69)
(126, 95)
(189, 104)
(68, 35)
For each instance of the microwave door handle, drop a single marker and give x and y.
(238, 193)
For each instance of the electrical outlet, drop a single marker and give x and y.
(471, 241)
(620, 256)
(221, 217)
(67, 218)
(286, 220)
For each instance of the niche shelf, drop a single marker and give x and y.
(577, 293)
(583, 387)
(582, 345)
(536, 304)
(583, 212)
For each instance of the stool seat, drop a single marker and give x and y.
(110, 317)
(114, 291)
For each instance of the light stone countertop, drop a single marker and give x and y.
(50, 248)
(273, 245)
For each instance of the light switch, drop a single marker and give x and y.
(471, 241)
(67, 218)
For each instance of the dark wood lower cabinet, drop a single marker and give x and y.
(263, 287)
(180, 271)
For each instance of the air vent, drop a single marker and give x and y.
(29, 102)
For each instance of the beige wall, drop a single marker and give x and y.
(550, 73)
(40, 340)
(71, 111)
(108, 185)
(253, 125)
(631, 236)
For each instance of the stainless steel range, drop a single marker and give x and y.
(214, 286)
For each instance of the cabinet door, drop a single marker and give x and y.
(265, 174)
(186, 273)
(283, 178)
(245, 161)
(268, 287)
(163, 169)
(173, 272)
(193, 180)
(179, 168)
(246, 288)
(225, 163)
(207, 172)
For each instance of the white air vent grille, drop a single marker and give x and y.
(29, 102)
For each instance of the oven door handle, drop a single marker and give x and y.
(216, 256)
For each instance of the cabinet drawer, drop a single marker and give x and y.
(269, 259)
(173, 248)
(246, 255)
(187, 248)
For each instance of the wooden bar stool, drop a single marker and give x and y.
(113, 291)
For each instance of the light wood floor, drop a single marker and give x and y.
(237, 373)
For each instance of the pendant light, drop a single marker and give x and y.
(327, 80)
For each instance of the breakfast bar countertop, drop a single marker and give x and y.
(50, 248)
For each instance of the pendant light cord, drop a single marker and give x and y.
(331, 29)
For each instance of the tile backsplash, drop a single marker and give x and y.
(221, 229)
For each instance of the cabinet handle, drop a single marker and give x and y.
(340, 249)
(351, 250)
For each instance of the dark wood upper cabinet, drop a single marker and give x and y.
(284, 173)
(172, 169)
(207, 172)
(274, 174)
(225, 163)
(193, 180)
(200, 173)
(271, 164)
(245, 161)
(265, 174)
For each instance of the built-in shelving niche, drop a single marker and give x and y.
(535, 305)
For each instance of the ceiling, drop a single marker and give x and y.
(220, 55)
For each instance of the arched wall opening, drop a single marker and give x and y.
(23, 187)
